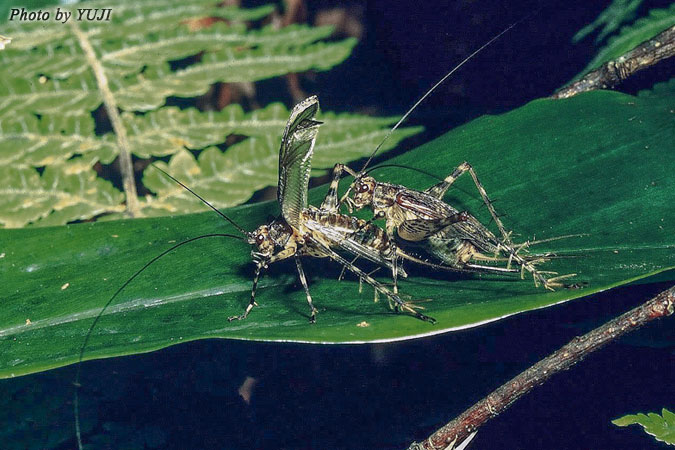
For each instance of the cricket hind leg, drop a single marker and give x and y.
(303, 280)
(439, 190)
(529, 261)
(398, 302)
(540, 277)
(252, 302)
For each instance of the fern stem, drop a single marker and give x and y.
(126, 167)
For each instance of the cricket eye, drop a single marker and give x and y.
(259, 239)
(363, 187)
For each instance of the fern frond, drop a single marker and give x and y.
(64, 193)
(169, 130)
(148, 90)
(29, 141)
(44, 96)
(48, 92)
(226, 179)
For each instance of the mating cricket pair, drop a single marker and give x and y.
(455, 240)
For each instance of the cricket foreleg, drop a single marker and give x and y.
(252, 303)
(441, 188)
(331, 202)
(303, 280)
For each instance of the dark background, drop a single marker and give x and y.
(386, 395)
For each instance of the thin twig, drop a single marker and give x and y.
(126, 168)
(614, 72)
(470, 420)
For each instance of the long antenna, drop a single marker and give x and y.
(244, 232)
(438, 83)
(76, 400)
(401, 166)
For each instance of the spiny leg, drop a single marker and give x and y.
(400, 304)
(439, 190)
(330, 202)
(342, 272)
(252, 303)
(394, 273)
(303, 280)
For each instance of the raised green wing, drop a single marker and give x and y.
(295, 159)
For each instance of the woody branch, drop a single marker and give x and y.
(470, 420)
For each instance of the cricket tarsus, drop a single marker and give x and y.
(76, 399)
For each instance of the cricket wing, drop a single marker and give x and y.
(419, 229)
(295, 159)
(423, 206)
(338, 240)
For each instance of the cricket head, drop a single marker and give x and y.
(362, 190)
(263, 242)
(268, 238)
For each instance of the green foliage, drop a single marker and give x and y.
(619, 12)
(632, 35)
(592, 164)
(48, 94)
(65, 191)
(661, 427)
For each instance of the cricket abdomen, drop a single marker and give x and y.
(341, 226)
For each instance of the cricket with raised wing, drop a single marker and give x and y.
(324, 232)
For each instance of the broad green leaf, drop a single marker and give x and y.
(633, 35)
(661, 427)
(595, 164)
(64, 192)
(617, 13)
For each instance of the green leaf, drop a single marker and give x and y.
(592, 164)
(154, 15)
(19, 96)
(631, 36)
(65, 58)
(661, 427)
(65, 192)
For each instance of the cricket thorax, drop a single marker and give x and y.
(384, 195)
